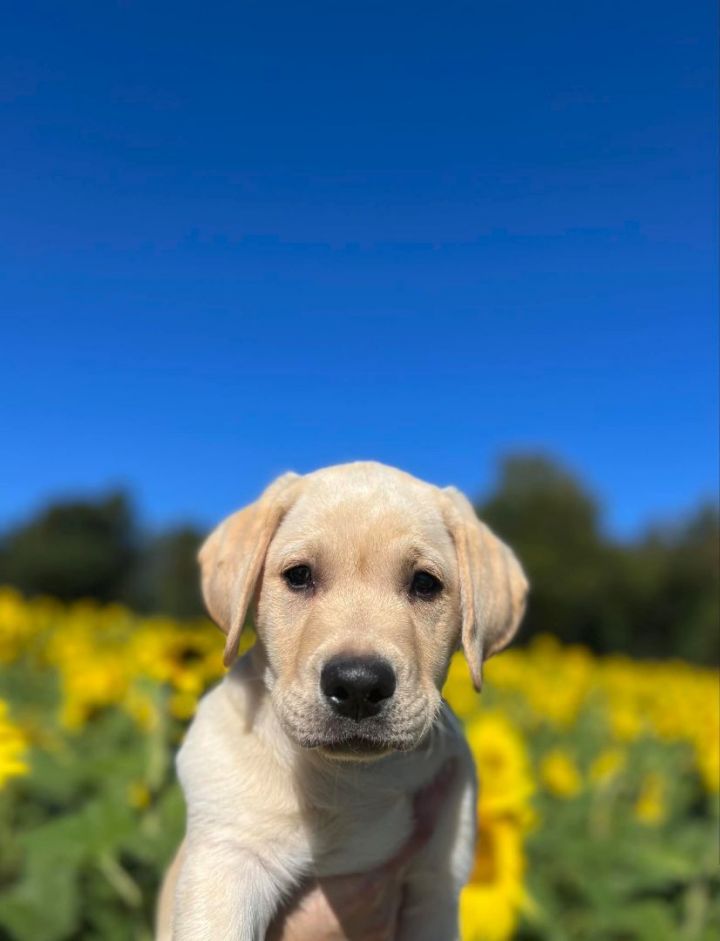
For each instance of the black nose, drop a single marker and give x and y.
(357, 687)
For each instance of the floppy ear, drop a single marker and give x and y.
(493, 587)
(232, 557)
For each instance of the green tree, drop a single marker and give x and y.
(657, 596)
(73, 549)
(166, 577)
(677, 596)
(552, 523)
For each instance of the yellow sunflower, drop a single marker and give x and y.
(503, 767)
(491, 902)
(560, 774)
(650, 806)
(12, 748)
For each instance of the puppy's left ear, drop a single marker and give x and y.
(493, 586)
(232, 557)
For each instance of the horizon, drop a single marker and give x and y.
(150, 527)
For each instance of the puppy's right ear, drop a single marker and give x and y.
(232, 557)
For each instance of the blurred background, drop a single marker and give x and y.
(474, 240)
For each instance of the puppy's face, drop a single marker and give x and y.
(359, 611)
(364, 585)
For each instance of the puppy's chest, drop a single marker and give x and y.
(350, 831)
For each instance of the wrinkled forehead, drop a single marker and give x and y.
(364, 518)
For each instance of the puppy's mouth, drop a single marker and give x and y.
(356, 742)
(355, 747)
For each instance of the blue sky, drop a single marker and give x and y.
(237, 238)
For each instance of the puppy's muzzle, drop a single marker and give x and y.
(357, 687)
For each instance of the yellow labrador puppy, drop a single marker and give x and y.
(304, 761)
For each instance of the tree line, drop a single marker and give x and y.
(657, 595)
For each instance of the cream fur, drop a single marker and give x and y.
(273, 796)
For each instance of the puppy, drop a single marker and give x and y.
(304, 761)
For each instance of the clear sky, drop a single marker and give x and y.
(237, 238)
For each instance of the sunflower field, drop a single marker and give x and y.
(598, 815)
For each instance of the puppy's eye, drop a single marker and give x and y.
(424, 585)
(298, 577)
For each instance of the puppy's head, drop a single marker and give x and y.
(365, 580)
